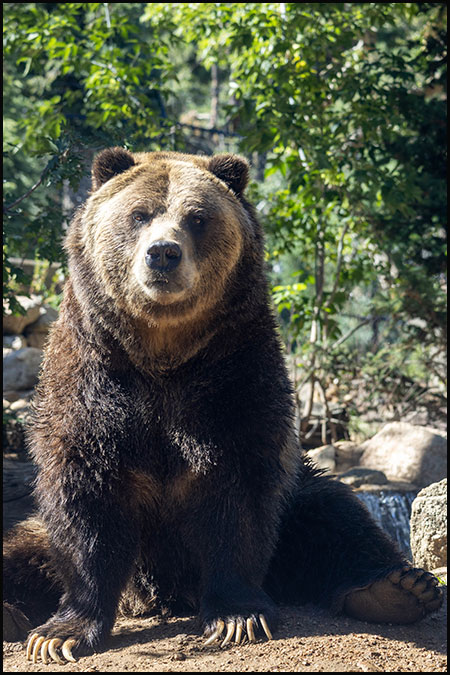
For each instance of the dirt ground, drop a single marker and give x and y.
(308, 640)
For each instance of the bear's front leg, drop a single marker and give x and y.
(232, 608)
(94, 545)
(234, 531)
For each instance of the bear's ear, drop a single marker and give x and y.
(110, 163)
(232, 169)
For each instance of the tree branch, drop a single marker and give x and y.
(338, 266)
(32, 189)
(349, 334)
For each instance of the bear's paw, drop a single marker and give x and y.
(239, 627)
(404, 596)
(38, 645)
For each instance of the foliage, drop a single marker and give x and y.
(78, 77)
(348, 102)
(343, 104)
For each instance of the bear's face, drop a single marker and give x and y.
(163, 232)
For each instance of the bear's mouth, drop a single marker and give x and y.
(159, 280)
(163, 288)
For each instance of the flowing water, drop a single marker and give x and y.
(392, 511)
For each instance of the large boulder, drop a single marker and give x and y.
(323, 457)
(14, 324)
(37, 332)
(21, 369)
(429, 527)
(361, 475)
(405, 452)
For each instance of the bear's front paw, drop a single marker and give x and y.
(235, 609)
(56, 640)
(46, 647)
(238, 627)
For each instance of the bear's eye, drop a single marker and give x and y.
(196, 222)
(140, 217)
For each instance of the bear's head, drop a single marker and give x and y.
(163, 233)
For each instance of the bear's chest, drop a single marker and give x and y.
(172, 428)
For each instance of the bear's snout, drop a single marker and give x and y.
(163, 256)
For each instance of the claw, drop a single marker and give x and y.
(30, 645)
(229, 635)
(250, 631)
(217, 633)
(44, 652)
(265, 626)
(56, 642)
(37, 645)
(238, 636)
(67, 650)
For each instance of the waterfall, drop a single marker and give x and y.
(392, 511)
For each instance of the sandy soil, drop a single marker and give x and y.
(308, 640)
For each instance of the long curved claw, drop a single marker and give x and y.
(56, 642)
(217, 633)
(30, 643)
(250, 631)
(229, 635)
(238, 636)
(67, 650)
(265, 626)
(37, 645)
(44, 652)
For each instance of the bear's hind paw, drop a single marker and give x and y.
(47, 647)
(403, 596)
(236, 627)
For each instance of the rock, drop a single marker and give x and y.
(362, 476)
(20, 404)
(407, 453)
(13, 437)
(15, 624)
(12, 395)
(21, 369)
(21, 410)
(347, 454)
(14, 324)
(429, 526)
(37, 332)
(323, 457)
(14, 342)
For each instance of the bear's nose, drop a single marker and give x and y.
(163, 256)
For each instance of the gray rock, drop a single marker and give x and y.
(323, 457)
(347, 454)
(21, 369)
(14, 324)
(407, 453)
(429, 526)
(37, 332)
(363, 476)
(11, 396)
(14, 342)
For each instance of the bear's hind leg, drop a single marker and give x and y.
(332, 552)
(31, 586)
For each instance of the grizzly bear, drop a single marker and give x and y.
(169, 473)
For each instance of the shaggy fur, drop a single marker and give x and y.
(168, 469)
